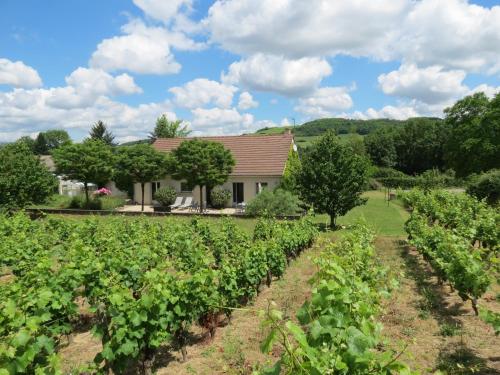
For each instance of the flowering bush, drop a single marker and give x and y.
(102, 192)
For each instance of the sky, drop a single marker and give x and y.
(235, 66)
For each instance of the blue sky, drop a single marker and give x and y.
(231, 67)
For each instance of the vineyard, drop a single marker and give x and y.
(144, 284)
(460, 238)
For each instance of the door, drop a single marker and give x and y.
(238, 194)
(208, 198)
(155, 185)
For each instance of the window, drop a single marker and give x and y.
(259, 186)
(185, 188)
(155, 185)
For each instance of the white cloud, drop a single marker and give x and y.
(162, 10)
(201, 92)
(392, 112)
(143, 49)
(325, 102)
(86, 86)
(18, 74)
(216, 121)
(285, 122)
(297, 28)
(246, 101)
(451, 33)
(430, 85)
(278, 74)
(490, 91)
(25, 111)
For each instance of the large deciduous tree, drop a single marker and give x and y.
(89, 162)
(332, 177)
(24, 180)
(473, 144)
(202, 163)
(47, 141)
(139, 164)
(100, 132)
(168, 129)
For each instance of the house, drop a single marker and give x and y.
(260, 163)
(65, 187)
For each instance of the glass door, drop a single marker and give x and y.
(238, 194)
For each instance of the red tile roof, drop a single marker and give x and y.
(255, 155)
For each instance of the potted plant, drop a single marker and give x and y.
(165, 196)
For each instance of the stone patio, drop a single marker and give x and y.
(211, 211)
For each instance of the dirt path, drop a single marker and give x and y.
(441, 331)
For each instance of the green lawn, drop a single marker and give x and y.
(385, 219)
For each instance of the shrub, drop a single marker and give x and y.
(79, 202)
(219, 197)
(166, 195)
(274, 203)
(486, 186)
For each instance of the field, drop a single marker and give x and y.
(424, 320)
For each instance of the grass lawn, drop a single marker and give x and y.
(385, 219)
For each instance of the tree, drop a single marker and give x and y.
(139, 164)
(202, 163)
(292, 169)
(473, 144)
(332, 177)
(28, 141)
(56, 138)
(24, 180)
(380, 147)
(168, 129)
(89, 162)
(40, 147)
(420, 145)
(47, 141)
(99, 131)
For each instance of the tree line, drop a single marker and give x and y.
(467, 140)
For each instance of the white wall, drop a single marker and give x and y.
(249, 188)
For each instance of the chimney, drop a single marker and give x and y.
(288, 131)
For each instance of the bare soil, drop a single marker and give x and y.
(437, 328)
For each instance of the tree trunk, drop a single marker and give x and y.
(333, 224)
(201, 199)
(149, 358)
(86, 187)
(142, 193)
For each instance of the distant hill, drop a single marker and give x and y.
(131, 143)
(340, 125)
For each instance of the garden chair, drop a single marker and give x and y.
(177, 203)
(186, 204)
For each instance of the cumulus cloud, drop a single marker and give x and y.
(246, 101)
(450, 33)
(297, 28)
(28, 111)
(201, 92)
(278, 74)
(162, 10)
(86, 86)
(216, 121)
(325, 102)
(430, 85)
(143, 49)
(18, 74)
